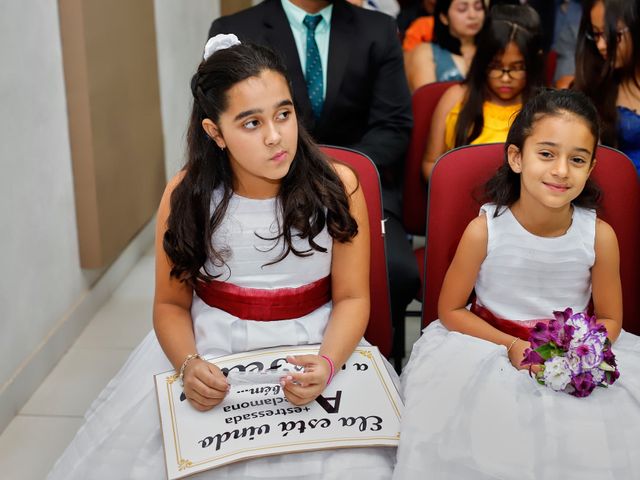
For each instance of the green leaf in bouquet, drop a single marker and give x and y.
(549, 350)
(606, 367)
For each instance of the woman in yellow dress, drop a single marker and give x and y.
(503, 74)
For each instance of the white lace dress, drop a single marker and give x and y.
(469, 414)
(121, 437)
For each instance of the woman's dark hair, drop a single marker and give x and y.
(503, 188)
(597, 76)
(311, 194)
(441, 34)
(519, 24)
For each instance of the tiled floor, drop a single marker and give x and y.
(46, 424)
(35, 438)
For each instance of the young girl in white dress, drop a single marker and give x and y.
(472, 411)
(256, 213)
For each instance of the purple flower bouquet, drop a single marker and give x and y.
(574, 354)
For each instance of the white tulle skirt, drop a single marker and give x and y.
(121, 438)
(470, 415)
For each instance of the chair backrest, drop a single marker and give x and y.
(550, 63)
(617, 177)
(379, 330)
(414, 191)
(451, 209)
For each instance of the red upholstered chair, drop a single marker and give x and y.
(379, 330)
(550, 63)
(463, 171)
(617, 176)
(414, 191)
(455, 177)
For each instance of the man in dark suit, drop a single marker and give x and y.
(360, 99)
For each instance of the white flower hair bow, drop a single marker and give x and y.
(219, 42)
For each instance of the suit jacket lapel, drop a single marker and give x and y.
(279, 36)
(342, 36)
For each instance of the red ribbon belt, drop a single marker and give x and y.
(265, 305)
(521, 329)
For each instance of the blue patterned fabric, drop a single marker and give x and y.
(629, 134)
(313, 73)
(446, 70)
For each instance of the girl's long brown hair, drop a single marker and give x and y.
(311, 194)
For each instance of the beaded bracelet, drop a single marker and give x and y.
(185, 363)
(331, 366)
(512, 344)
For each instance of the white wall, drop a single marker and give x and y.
(40, 272)
(46, 299)
(181, 29)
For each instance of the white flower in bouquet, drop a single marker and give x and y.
(591, 351)
(597, 374)
(574, 362)
(557, 374)
(581, 329)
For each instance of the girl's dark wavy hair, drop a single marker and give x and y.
(519, 24)
(503, 188)
(597, 76)
(441, 34)
(311, 194)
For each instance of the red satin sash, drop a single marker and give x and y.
(520, 329)
(265, 305)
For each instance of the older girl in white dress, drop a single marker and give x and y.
(256, 214)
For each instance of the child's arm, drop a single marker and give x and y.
(605, 280)
(436, 144)
(204, 384)
(350, 297)
(457, 286)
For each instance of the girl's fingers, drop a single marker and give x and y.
(303, 379)
(214, 378)
(209, 374)
(300, 378)
(316, 370)
(213, 383)
(297, 390)
(207, 392)
(200, 380)
(305, 393)
(295, 400)
(298, 398)
(199, 406)
(197, 397)
(303, 360)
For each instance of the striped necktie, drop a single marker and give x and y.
(313, 70)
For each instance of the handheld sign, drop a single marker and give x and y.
(361, 408)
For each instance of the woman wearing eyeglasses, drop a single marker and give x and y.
(506, 69)
(608, 70)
